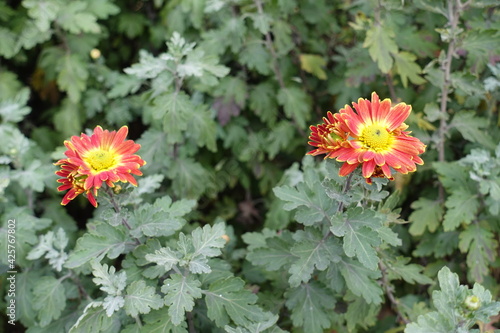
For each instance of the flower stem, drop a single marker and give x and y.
(388, 291)
(117, 209)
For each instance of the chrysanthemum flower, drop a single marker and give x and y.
(72, 181)
(375, 137)
(327, 137)
(102, 157)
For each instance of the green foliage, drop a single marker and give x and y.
(459, 307)
(230, 228)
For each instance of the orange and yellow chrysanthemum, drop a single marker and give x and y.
(371, 134)
(103, 157)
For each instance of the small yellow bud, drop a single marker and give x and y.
(95, 54)
(117, 189)
(226, 238)
(472, 302)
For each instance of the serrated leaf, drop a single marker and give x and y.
(14, 109)
(407, 68)
(427, 214)
(95, 244)
(164, 218)
(255, 56)
(174, 109)
(185, 174)
(311, 305)
(158, 322)
(411, 273)
(381, 46)
(110, 281)
(311, 204)
(296, 104)
(42, 11)
(112, 304)
(462, 207)
(480, 244)
(473, 128)
(360, 313)
(480, 44)
(313, 251)
(228, 299)
(93, 319)
(49, 299)
(208, 241)
(203, 129)
(75, 19)
(164, 257)
(275, 255)
(73, 76)
(263, 102)
(141, 298)
(102, 9)
(313, 64)
(360, 238)
(432, 322)
(181, 291)
(361, 281)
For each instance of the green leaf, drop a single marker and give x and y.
(311, 305)
(440, 244)
(256, 57)
(432, 322)
(73, 76)
(427, 214)
(357, 227)
(312, 204)
(275, 254)
(296, 104)
(312, 251)
(175, 110)
(164, 257)
(361, 281)
(451, 295)
(102, 239)
(380, 43)
(141, 299)
(408, 68)
(228, 299)
(208, 241)
(480, 46)
(8, 45)
(102, 9)
(158, 322)
(313, 64)
(75, 19)
(480, 244)
(203, 129)
(49, 299)
(44, 12)
(360, 313)
(164, 218)
(93, 320)
(462, 207)
(105, 276)
(411, 273)
(185, 174)
(473, 128)
(263, 102)
(14, 109)
(181, 291)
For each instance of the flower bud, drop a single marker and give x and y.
(472, 302)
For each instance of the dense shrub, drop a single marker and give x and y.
(230, 227)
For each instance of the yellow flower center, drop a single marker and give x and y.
(100, 160)
(376, 137)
